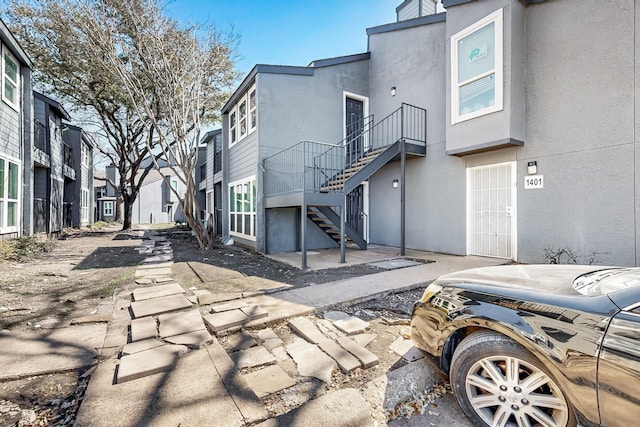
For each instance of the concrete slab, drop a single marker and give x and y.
(233, 305)
(240, 341)
(392, 264)
(310, 360)
(269, 339)
(352, 325)
(144, 281)
(180, 323)
(254, 312)
(336, 315)
(153, 272)
(306, 329)
(228, 319)
(144, 328)
(148, 362)
(94, 318)
(138, 346)
(406, 349)
(159, 305)
(157, 259)
(327, 328)
(162, 279)
(194, 340)
(402, 384)
(167, 264)
(346, 361)
(148, 292)
(244, 398)
(366, 358)
(33, 353)
(252, 357)
(269, 380)
(345, 407)
(363, 339)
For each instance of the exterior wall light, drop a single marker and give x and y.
(394, 184)
(393, 91)
(532, 167)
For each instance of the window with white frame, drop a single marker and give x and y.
(252, 109)
(233, 128)
(107, 208)
(84, 205)
(9, 189)
(476, 69)
(243, 117)
(10, 79)
(242, 208)
(84, 154)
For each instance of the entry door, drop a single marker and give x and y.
(355, 209)
(491, 210)
(217, 205)
(354, 110)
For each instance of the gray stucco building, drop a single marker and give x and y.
(502, 128)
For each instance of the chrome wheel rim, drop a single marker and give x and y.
(507, 391)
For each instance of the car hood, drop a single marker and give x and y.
(548, 278)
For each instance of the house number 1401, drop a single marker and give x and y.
(533, 181)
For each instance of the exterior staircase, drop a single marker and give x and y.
(319, 177)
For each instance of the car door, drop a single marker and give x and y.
(619, 370)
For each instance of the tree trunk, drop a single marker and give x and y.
(127, 212)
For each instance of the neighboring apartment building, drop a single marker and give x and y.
(79, 192)
(501, 128)
(53, 167)
(211, 174)
(16, 118)
(156, 202)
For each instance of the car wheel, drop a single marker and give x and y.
(499, 383)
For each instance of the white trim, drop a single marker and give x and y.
(239, 136)
(4, 200)
(513, 209)
(15, 105)
(104, 207)
(365, 209)
(365, 112)
(496, 18)
(251, 181)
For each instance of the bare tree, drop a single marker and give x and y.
(54, 35)
(176, 77)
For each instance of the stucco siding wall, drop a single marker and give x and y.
(582, 129)
(435, 197)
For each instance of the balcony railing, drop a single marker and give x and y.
(308, 165)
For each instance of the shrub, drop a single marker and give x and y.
(24, 247)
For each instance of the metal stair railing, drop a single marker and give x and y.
(309, 165)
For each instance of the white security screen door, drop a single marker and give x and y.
(491, 210)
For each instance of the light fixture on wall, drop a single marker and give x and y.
(394, 184)
(532, 168)
(393, 91)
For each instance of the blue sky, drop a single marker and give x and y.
(293, 32)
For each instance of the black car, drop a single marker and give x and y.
(529, 345)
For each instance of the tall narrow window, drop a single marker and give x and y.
(476, 80)
(10, 79)
(242, 118)
(9, 195)
(232, 128)
(84, 205)
(242, 209)
(252, 109)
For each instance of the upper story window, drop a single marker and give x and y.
(84, 154)
(242, 117)
(10, 79)
(476, 69)
(252, 109)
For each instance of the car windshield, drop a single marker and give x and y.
(603, 282)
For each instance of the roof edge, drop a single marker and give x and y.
(55, 104)
(319, 63)
(9, 39)
(409, 23)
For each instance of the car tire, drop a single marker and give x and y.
(487, 391)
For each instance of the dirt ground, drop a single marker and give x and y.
(86, 267)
